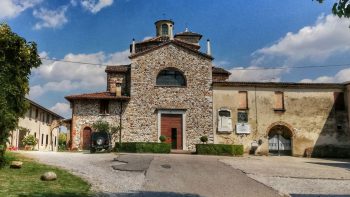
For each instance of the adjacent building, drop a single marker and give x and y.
(38, 121)
(171, 88)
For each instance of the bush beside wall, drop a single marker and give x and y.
(219, 149)
(143, 147)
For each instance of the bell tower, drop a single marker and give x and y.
(165, 28)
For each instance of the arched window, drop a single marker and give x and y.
(164, 30)
(170, 77)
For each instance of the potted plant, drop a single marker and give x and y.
(204, 139)
(162, 138)
(29, 142)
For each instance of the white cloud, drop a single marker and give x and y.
(62, 108)
(95, 6)
(339, 77)
(50, 18)
(12, 8)
(65, 76)
(253, 73)
(329, 36)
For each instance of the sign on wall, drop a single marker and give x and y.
(242, 128)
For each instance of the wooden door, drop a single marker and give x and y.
(86, 138)
(171, 128)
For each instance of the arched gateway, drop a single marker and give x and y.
(280, 140)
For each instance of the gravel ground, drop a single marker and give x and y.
(96, 169)
(297, 176)
(152, 175)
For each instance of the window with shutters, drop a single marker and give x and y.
(242, 100)
(224, 121)
(104, 107)
(279, 101)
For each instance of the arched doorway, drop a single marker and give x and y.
(280, 140)
(86, 138)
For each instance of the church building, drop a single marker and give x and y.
(171, 88)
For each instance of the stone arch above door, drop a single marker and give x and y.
(280, 123)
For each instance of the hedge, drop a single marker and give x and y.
(143, 147)
(219, 149)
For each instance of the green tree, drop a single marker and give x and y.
(17, 58)
(341, 8)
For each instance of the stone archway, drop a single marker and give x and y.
(86, 138)
(280, 137)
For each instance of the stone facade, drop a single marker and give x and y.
(140, 113)
(309, 114)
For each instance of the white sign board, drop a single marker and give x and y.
(242, 128)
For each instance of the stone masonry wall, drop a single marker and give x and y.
(146, 98)
(310, 114)
(139, 119)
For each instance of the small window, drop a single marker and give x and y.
(224, 121)
(36, 113)
(30, 113)
(47, 118)
(47, 139)
(339, 103)
(243, 100)
(165, 30)
(55, 141)
(42, 139)
(104, 107)
(170, 77)
(34, 134)
(279, 101)
(242, 117)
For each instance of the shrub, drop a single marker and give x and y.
(204, 139)
(143, 147)
(101, 126)
(29, 140)
(219, 149)
(162, 138)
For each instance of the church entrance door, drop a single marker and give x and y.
(171, 128)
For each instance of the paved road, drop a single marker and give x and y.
(166, 175)
(298, 176)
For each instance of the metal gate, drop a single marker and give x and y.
(279, 145)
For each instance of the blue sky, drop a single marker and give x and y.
(244, 34)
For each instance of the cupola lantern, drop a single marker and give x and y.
(165, 28)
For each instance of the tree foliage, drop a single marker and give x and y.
(17, 58)
(341, 8)
(101, 126)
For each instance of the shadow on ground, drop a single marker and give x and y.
(136, 194)
(318, 195)
(335, 163)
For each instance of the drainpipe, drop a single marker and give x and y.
(120, 123)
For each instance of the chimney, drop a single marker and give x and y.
(113, 87)
(118, 89)
(171, 33)
(133, 49)
(208, 48)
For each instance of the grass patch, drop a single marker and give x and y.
(26, 181)
(219, 149)
(144, 147)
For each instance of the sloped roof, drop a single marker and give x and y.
(96, 96)
(44, 108)
(117, 68)
(279, 84)
(218, 70)
(175, 42)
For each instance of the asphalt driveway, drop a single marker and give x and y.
(157, 175)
